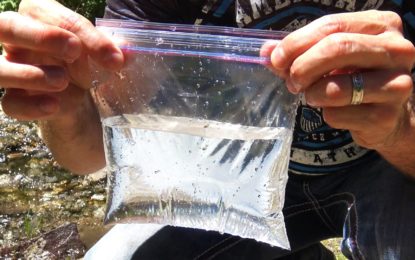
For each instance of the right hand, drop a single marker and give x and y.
(44, 67)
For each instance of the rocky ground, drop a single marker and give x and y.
(37, 196)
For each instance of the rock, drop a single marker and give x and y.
(6, 181)
(51, 179)
(13, 208)
(14, 156)
(18, 177)
(99, 197)
(60, 243)
(99, 213)
(99, 175)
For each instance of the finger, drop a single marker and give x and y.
(35, 78)
(98, 46)
(380, 86)
(266, 50)
(268, 47)
(368, 22)
(24, 107)
(368, 118)
(25, 56)
(25, 32)
(75, 69)
(342, 51)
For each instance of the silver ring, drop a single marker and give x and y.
(358, 90)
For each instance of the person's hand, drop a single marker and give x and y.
(320, 59)
(44, 66)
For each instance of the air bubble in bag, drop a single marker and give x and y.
(197, 129)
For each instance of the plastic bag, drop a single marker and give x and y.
(197, 129)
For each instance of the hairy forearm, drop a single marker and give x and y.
(76, 140)
(402, 153)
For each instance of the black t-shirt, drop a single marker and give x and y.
(316, 148)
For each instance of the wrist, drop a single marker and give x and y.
(398, 149)
(73, 120)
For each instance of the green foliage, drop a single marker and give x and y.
(88, 8)
(9, 5)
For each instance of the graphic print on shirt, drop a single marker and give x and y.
(265, 13)
(316, 148)
(319, 149)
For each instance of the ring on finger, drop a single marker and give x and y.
(357, 88)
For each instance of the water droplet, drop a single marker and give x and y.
(159, 41)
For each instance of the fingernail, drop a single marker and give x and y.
(292, 86)
(113, 60)
(48, 105)
(278, 57)
(72, 49)
(297, 86)
(56, 77)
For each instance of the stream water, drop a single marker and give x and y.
(36, 195)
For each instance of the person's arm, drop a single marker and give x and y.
(46, 75)
(314, 59)
(75, 140)
(401, 150)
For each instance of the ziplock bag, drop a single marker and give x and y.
(197, 129)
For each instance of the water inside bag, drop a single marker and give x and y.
(229, 164)
(195, 138)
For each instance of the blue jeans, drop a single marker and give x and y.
(371, 207)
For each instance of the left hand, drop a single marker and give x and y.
(318, 59)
